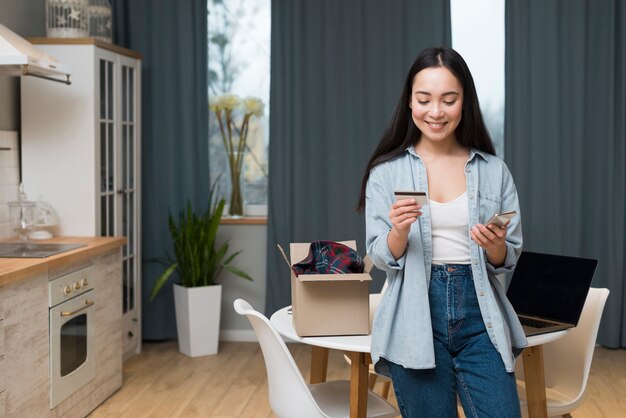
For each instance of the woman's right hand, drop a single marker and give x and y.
(402, 214)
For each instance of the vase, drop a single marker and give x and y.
(235, 208)
(198, 319)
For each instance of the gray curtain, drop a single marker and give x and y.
(337, 73)
(565, 135)
(172, 36)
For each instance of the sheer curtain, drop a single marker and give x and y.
(172, 36)
(337, 73)
(565, 136)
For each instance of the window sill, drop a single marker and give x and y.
(246, 220)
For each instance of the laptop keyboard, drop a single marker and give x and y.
(536, 323)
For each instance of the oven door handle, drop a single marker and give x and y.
(88, 303)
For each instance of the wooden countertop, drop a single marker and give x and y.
(15, 269)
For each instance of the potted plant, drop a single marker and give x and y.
(199, 261)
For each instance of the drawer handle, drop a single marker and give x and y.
(88, 303)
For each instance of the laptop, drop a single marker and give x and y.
(548, 291)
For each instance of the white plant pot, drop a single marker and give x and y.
(198, 319)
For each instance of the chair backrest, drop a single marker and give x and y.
(288, 392)
(567, 361)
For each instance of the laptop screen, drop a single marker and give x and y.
(551, 286)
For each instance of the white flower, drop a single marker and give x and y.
(224, 102)
(253, 106)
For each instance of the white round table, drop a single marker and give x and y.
(357, 347)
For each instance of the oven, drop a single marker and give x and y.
(72, 334)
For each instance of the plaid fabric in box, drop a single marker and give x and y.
(328, 257)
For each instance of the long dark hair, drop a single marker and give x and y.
(402, 132)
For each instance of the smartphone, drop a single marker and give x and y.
(420, 197)
(500, 219)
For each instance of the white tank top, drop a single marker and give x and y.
(449, 222)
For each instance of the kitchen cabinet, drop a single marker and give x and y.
(80, 153)
(28, 352)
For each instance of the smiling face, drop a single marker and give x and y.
(436, 104)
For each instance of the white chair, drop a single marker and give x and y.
(567, 361)
(289, 394)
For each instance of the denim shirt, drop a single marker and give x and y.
(402, 331)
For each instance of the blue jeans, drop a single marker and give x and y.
(467, 362)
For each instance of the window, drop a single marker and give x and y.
(478, 35)
(239, 64)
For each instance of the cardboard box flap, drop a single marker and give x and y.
(368, 263)
(284, 255)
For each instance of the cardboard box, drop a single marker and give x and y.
(328, 304)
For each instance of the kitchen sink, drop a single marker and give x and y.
(34, 250)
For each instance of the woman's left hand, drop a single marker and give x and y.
(492, 238)
(489, 237)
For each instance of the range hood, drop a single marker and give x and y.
(19, 57)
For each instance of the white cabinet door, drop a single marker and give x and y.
(128, 198)
(118, 145)
(80, 152)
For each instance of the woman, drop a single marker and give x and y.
(444, 326)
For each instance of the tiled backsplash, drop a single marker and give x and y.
(9, 178)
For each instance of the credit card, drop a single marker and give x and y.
(420, 197)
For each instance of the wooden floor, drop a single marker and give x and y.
(161, 382)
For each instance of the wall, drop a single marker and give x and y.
(252, 241)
